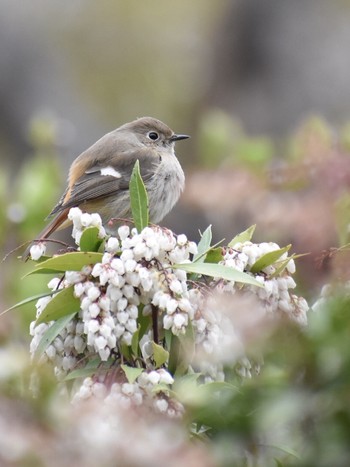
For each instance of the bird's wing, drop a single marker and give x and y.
(104, 180)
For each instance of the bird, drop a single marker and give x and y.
(98, 179)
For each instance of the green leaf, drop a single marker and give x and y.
(282, 266)
(285, 449)
(218, 270)
(268, 259)
(181, 351)
(209, 392)
(160, 387)
(160, 355)
(188, 391)
(174, 354)
(188, 379)
(187, 348)
(214, 255)
(34, 298)
(205, 251)
(126, 351)
(88, 370)
(131, 373)
(135, 341)
(41, 259)
(216, 386)
(342, 210)
(203, 245)
(62, 304)
(51, 333)
(138, 199)
(144, 322)
(41, 271)
(185, 389)
(70, 261)
(90, 240)
(168, 335)
(244, 236)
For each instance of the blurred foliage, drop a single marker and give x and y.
(36, 186)
(27, 200)
(223, 141)
(313, 134)
(296, 411)
(122, 64)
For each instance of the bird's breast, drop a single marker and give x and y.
(165, 187)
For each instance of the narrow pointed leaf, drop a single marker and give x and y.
(70, 261)
(218, 270)
(268, 259)
(168, 337)
(34, 298)
(51, 333)
(88, 370)
(187, 348)
(244, 236)
(174, 354)
(144, 322)
(181, 352)
(135, 341)
(285, 449)
(41, 259)
(138, 199)
(90, 240)
(203, 244)
(63, 303)
(126, 351)
(281, 267)
(41, 271)
(214, 255)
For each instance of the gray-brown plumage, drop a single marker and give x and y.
(99, 178)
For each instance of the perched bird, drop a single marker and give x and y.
(99, 178)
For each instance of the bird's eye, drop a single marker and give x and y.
(153, 135)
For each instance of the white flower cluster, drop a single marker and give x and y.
(222, 320)
(136, 278)
(143, 392)
(140, 274)
(136, 268)
(71, 342)
(82, 220)
(275, 293)
(108, 434)
(223, 327)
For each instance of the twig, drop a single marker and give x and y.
(155, 323)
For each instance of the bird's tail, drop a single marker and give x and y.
(57, 223)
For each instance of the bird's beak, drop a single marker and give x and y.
(178, 137)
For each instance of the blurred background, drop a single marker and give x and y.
(262, 86)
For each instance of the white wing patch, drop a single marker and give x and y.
(110, 171)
